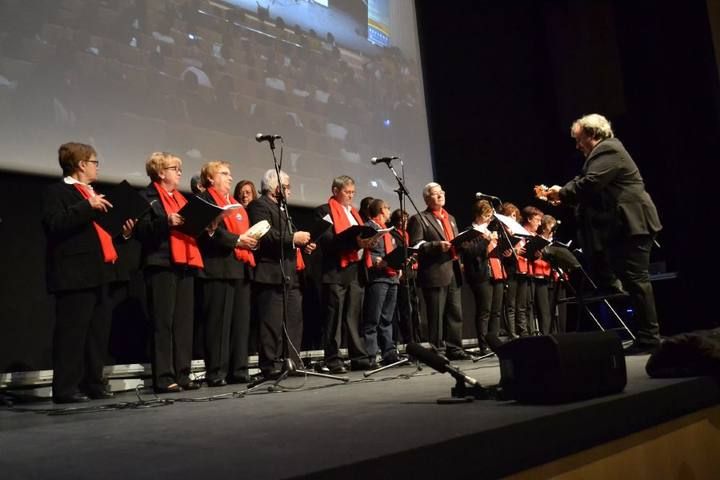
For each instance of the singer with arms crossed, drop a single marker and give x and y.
(618, 220)
(439, 272)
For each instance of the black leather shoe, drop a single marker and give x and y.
(217, 382)
(172, 388)
(74, 398)
(190, 385)
(362, 364)
(233, 379)
(391, 358)
(272, 374)
(458, 355)
(336, 367)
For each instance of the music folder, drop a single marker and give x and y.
(395, 258)
(533, 245)
(465, 236)
(365, 231)
(199, 213)
(318, 228)
(127, 203)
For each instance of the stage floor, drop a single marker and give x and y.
(386, 426)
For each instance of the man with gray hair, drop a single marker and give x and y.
(439, 272)
(617, 221)
(269, 272)
(344, 275)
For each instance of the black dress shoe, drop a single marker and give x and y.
(74, 398)
(362, 364)
(336, 367)
(272, 374)
(458, 355)
(391, 358)
(172, 388)
(217, 382)
(190, 385)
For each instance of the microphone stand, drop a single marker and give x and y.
(289, 367)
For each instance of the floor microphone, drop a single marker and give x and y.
(438, 362)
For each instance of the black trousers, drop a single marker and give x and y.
(630, 262)
(273, 344)
(444, 316)
(171, 307)
(516, 302)
(80, 340)
(541, 304)
(488, 296)
(343, 307)
(226, 316)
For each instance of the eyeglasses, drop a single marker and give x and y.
(96, 162)
(176, 168)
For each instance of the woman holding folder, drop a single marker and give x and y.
(171, 260)
(225, 282)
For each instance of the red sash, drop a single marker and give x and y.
(299, 262)
(447, 228)
(523, 266)
(236, 222)
(541, 268)
(340, 224)
(183, 248)
(497, 272)
(106, 243)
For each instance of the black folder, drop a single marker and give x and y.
(318, 228)
(395, 258)
(465, 236)
(533, 245)
(127, 203)
(199, 213)
(365, 231)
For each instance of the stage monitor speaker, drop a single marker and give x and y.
(562, 368)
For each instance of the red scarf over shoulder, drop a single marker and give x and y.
(342, 223)
(183, 248)
(236, 222)
(444, 218)
(106, 243)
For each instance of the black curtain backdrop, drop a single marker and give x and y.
(504, 81)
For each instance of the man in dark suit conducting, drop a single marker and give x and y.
(439, 272)
(617, 220)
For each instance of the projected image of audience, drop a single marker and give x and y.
(203, 77)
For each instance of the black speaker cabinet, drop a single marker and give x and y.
(562, 368)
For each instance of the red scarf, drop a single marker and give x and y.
(340, 224)
(183, 248)
(236, 222)
(299, 262)
(106, 243)
(497, 272)
(389, 247)
(444, 217)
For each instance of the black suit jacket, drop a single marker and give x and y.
(435, 267)
(74, 258)
(610, 197)
(267, 255)
(218, 251)
(153, 231)
(332, 248)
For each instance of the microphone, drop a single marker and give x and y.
(480, 196)
(438, 362)
(266, 138)
(386, 160)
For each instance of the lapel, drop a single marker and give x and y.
(435, 224)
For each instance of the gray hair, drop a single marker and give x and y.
(269, 182)
(594, 125)
(342, 180)
(428, 187)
